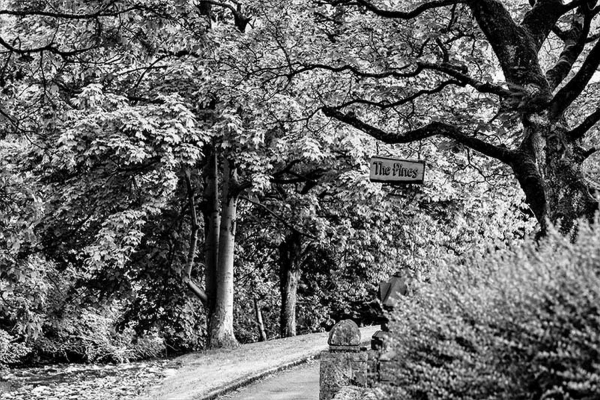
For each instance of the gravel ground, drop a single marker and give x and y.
(84, 382)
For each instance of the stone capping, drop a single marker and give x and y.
(347, 349)
(358, 393)
(344, 336)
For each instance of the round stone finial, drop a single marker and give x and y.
(344, 333)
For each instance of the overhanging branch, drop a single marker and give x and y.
(432, 129)
(405, 100)
(455, 71)
(65, 15)
(407, 14)
(51, 47)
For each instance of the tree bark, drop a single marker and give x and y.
(212, 223)
(559, 163)
(262, 335)
(290, 262)
(221, 323)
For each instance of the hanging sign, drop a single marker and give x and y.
(392, 170)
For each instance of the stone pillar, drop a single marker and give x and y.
(344, 364)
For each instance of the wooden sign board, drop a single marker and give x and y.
(390, 170)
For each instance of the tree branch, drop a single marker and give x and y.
(565, 96)
(194, 220)
(419, 93)
(517, 52)
(240, 20)
(586, 125)
(281, 219)
(455, 71)
(575, 40)
(51, 47)
(200, 294)
(410, 14)
(432, 129)
(357, 72)
(63, 15)
(542, 18)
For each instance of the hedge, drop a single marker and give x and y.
(522, 323)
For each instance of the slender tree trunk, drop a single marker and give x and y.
(290, 253)
(262, 335)
(193, 242)
(289, 294)
(221, 323)
(212, 223)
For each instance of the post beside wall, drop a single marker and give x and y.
(345, 363)
(348, 366)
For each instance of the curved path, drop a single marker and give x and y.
(209, 374)
(298, 383)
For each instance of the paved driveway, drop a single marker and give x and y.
(298, 383)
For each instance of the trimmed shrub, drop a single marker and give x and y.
(518, 324)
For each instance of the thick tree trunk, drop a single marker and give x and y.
(290, 253)
(549, 170)
(569, 195)
(221, 323)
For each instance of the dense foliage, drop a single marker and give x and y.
(172, 172)
(515, 324)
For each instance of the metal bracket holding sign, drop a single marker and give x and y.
(391, 170)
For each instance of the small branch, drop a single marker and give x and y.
(51, 47)
(356, 71)
(200, 294)
(384, 105)
(280, 218)
(194, 219)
